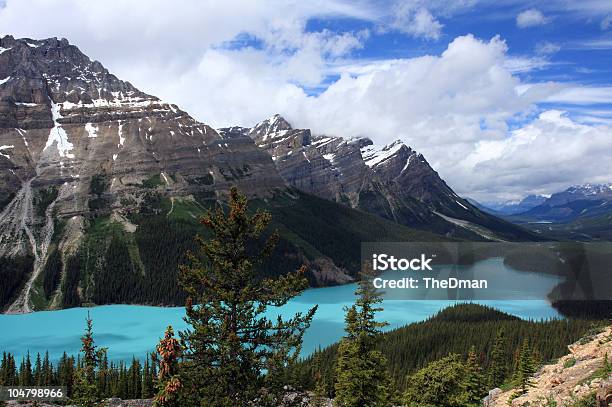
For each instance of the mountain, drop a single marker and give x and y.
(392, 181)
(579, 201)
(102, 185)
(581, 212)
(511, 207)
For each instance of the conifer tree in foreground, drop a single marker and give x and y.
(361, 370)
(231, 342)
(497, 361)
(475, 385)
(168, 380)
(85, 389)
(525, 367)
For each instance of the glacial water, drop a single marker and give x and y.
(132, 330)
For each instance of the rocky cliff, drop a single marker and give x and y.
(578, 379)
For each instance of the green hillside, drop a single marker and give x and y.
(455, 330)
(113, 265)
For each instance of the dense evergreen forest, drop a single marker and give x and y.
(455, 330)
(125, 380)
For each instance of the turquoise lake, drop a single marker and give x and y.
(133, 330)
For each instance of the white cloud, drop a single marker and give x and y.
(583, 95)
(546, 155)
(416, 21)
(453, 107)
(530, 18)
(606, 22)
(547, 48)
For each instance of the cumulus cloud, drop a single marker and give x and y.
(530, 18)
(454, 106)
(519, 162)
(416, 21)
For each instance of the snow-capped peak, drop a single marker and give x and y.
(373, 155)
(271, 125)
(590, 189)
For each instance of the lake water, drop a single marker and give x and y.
(132, 330)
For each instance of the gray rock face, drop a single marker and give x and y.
(64, 119)
(393, 181)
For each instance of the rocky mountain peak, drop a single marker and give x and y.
(270, 126)
(53, 70)
(590, 189)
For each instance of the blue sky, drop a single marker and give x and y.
(504, 98)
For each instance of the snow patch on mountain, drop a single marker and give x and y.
(5, 148)
(91, 130)
(373, 156)
(58, 135)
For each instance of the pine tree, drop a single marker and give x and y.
(231, 342)
(25, 372)
(497, 361)
(37, 371)
(147, 380)
(103, 376)
(474, 380)
(47, 371)
(168, 381)
(361, 370)
(85, 391)
(525, 367)
(65, 373)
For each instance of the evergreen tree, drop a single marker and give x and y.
(135, 379)
(497, 361)
(147, 380)
(361, 371)
(440, 383)
(65, 372)
(231, 343)
(525, 367)
(103, 376)
(168, 381)
(85, 391)
(475, 386)
(25, 372)
(47, 371)
(37, 371)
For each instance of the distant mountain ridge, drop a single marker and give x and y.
(580, 212)
(511, 207)
(392, 181)
(576, 201)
